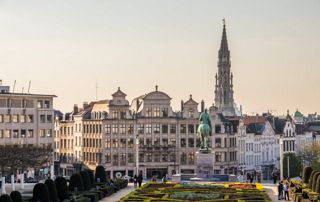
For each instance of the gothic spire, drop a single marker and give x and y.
(224, 50)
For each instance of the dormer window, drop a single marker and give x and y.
(148, 112)
(115, 114)
(156, 112)
(165, 112)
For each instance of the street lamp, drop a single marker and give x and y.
(137, 154)
(281, 157)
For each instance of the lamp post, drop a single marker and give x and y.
(288, 162)
(137, 154)
(281, 157)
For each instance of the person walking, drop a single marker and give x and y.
(280, 191)
(140, 179)
(135, 181)
(274, 177)
(286, 192)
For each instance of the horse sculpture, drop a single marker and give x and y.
(204, 131)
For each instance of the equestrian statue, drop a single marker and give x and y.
(204, 131)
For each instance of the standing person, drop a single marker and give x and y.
(286, 192)
(135, 181)
(140, 179)
(280, 191)
(274, 177)
(251, 178)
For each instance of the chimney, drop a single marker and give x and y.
(75, 109)
(202, 106)
(181, 105)
(85, 105)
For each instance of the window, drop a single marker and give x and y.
(183, 142)
(114, 129)
(217, 142)
(1, 118)
(173, 141)
(130, 157)
(198, 142)
(172, 128)
(122, 129)
(156, 128)
(156, 112)
(148, 112)
(15, 118)
(15, 133)
(108, 128)
(40, 104)
(148, 157)
(130, 129)
(122, 143)
(42, 133)
(47, 104)
(141, 158)
(165, 142)
(115, 114)
(157, 142)
(23, 133)
(191, 142)
(165, 112)
(164, 157)
(108, 158)
(115, 160)
(1, 134)
(190, 113)
(8, 118)
(172, 157)
(140, 129)
(123, 159)
(165, 129)
(191, 128)
(49, 133)
(148, 128)
(218, 157)
(218, 129)
(8, 133)
(122, 115)
(42, 118)
(183, 128)
(22, 118)
(183, 158)
(115, 143)
(130, 143)
(191, 158)
(148, 142)
(49, 118)
(156, 157)
(108, 143)
(30, 119)
(30, 133)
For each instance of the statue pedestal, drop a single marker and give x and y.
(205, 163)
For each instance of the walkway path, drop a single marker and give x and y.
(271, 190)
(117, 196)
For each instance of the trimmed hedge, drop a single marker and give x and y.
(5, 198)
(314, 181)
(306, 174)
(40, 193)
(86, 180)
(311, 179)
(62, 188)
(16, 196)
(52, 190)
(91, 176)
(100, 174)
(76, 182)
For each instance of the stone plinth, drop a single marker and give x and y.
(205, 163)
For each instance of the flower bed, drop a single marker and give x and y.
(220, 192)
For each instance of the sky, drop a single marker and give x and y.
(69, 47)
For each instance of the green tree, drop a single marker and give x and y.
(295, 165)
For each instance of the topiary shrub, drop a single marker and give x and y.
(317, 189)
(15, 196)
(100, 174)
(40, 193)
(307, 170)
(311, 179)
(91, 176)
(52, 190)
(62, 188)
(76, 183)
(86, 180)
(5, 198)
(314, 181)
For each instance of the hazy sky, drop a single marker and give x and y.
(66, 46)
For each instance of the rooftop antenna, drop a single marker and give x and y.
(29, 86)
(14, 85)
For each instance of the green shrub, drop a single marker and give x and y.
(62, 188)
(76, 183)
(16, 196)
(314, 181)
(100, 174)
(5, 198)
(40, 193)
(86, 180)
(317, 189)
(306, 174)
(311, 179)
(91, 176)
(52, 190)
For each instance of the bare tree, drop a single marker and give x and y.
(310, 154)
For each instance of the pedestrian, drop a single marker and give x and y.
(286, 192)
(280, 191)
(135, 181)
(140, 179)
(274, 177)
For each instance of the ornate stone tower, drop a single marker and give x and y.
(224, 84)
